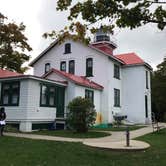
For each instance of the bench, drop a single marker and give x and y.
(156, 126)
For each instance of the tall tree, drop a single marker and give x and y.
(120, 13)
(159, 91)
(13, 45)
(112, 14)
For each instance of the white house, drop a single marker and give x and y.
(115, 83)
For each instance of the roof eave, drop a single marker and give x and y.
(138, 64)
(43, 52)
(109, 56)
(31, 77)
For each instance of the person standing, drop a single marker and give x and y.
(2, 120)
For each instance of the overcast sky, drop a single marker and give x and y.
(41, 16)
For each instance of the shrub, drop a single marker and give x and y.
(81, 115)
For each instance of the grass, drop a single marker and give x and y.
(26, 152)
(118, 128)
(71, 134)
(61, 133)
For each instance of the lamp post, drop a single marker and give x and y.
(127, 137)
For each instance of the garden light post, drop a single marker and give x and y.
(127, 137)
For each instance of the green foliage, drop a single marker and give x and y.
(114, 13)
(13, 45)
(81, 115)
(121, 13)
(159, 91)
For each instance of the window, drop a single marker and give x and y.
(89, 94)
(89, 67)
(116, 71)
(72, 67)
(116, 98)
(10, 93)
(63, 66)
(67, 48)
(47, 67)
(147, 85)
(47, 96)
(146, 106)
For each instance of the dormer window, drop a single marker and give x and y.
(63, 66)
(47, 67)
(116, 71)
(72, 66)
(67, 48)
(89, 67)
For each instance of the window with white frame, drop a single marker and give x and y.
(47, 67)
(10, 93)
(116, 98)
(67, 48)
(63, 66)
(116, 71)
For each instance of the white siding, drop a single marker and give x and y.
(29, 109)
(134, 90)
(131, 82)
(74, 90)
(80, 91)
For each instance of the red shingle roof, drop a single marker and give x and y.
(7, 73)
(130, 59)
(104, 48)
(80, 80)
(127, 59)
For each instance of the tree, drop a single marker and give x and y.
(81, 115)
(13, 45)
(120, 13)
(115, 13)
(159, 91)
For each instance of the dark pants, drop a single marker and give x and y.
(1, 129)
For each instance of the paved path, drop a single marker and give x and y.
(116, 138)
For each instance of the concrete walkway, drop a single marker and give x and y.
(115, 141)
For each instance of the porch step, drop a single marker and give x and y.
(60, 123)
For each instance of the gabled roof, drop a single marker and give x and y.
(104, 49)
(79, 80)
(7, 73)
(43, 52)
(130, 58)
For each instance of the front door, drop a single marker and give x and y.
(60, 102)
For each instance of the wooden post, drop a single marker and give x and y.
(127, 137)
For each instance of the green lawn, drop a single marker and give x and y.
(26, 152)
(118, 128)
(71, 134)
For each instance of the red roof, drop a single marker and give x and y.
(80, 80)
(104, 47)
(130, 58)
(7, 73)
(127, 59)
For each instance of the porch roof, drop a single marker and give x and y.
(80, 80)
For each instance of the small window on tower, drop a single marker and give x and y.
(67, 48)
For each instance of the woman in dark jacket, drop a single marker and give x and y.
(2, 120)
